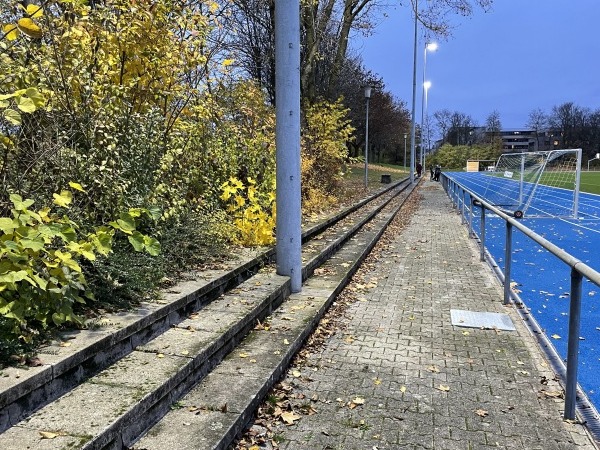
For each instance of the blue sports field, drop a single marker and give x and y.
(543, 280)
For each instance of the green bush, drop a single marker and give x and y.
(41, 276)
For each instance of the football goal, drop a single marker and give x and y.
(536, 184)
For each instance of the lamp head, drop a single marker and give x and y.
(368, 91)
(431, 46)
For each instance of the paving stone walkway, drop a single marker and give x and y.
(402, 376)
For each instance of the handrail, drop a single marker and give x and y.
(578, 270)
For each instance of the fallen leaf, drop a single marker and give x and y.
(443, 387)
(289, 417)
(553, 394)
(49, 435)
(465, 333)
(185, 352)
(403, 389)
(243, 355)
(433, 369)
(286, 342)
(296, 373)
(65, 344)
(555, 336)
(481, 413)
(160, 355)
(359, 401)
(377, 381)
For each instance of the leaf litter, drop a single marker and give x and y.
(285, 405)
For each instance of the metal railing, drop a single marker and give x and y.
(458, 194)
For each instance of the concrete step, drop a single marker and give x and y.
(114, 407)
(217, 410)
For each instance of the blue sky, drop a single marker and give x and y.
(522, 55)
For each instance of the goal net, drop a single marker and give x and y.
(536, 184)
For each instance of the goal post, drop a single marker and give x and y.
(539, 184)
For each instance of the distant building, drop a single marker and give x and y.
(513, 141)
(519, 141)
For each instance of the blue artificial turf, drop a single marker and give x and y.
(544, 280)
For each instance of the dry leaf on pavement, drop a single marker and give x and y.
(481, 413)
(289, 417)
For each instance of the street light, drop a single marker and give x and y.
(405, 136)
(414, 95)
(368, 97)
(431, 46)
(590, 160)
(426, 86)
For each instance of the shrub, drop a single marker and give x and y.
(324, 152)
(253, 213)
(41, 276)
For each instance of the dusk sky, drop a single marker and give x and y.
(522, 55)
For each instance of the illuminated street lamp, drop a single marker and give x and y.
(589, 161)
(368, 97)
(431, 46)
(414, 95)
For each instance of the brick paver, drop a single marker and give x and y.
(425, 383)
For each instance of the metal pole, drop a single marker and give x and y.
(367, 148)
(287, 139)
(482, 235)
(422, 159)
(521, 181)
(577, 180)
(507, 262)
(405, 135)
(463, 216)
(414, 94)
(573, 345)
(426, 125)
(470, 216)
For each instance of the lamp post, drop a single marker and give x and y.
(414, 95)
(367, 97)
(424, 127)
(431, 46)
(590, 160)
(405, 136)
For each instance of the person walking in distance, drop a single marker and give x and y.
(437, 172)
(419, 169)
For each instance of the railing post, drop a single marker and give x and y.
(482, 235)
(507, 262)
(462, 216)
(470, 216)
(573, 345)
(455, 195)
